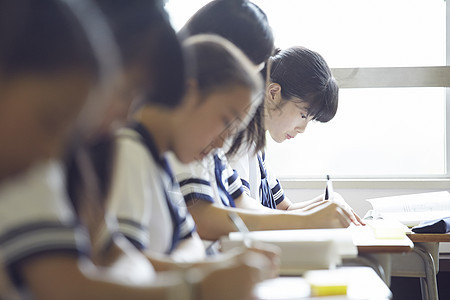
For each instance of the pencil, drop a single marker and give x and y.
(241, 227)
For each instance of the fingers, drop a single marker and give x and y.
(337, 216)
(241, 278)
(266, 257)
(338, 199)
(360, 221)
(344, 217)
(352, 216)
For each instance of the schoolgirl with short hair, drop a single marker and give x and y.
(300, 88)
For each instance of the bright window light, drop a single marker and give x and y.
(377, 132)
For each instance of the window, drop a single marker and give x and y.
(389, 57)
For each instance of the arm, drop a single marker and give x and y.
(286, 204)
(242, 271)
(246, 202)
(43, 277)
(189, 251)
(213, 221)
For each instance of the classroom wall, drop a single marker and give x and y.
(356, 198)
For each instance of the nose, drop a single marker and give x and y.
(299, 130)
(302, 126)
(218, 143)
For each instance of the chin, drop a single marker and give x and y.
(185, 159)
(277, 139)
(280, 140)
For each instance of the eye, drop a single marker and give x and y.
(304, 116)
(226, 122)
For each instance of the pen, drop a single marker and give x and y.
(241, 227)
(329, 189)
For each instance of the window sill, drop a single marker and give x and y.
(419, 183)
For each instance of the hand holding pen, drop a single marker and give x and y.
(270, 251)
(330, 195)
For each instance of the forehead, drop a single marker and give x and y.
(236, 101)
(37, 93)
(298, 103)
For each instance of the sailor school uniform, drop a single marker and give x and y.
(257, 178)
(211, 180)
(37, 218)
(145, 196)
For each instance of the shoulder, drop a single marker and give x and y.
(131, 150)
(201, 169)
(40, 191)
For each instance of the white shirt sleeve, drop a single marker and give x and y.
(36, 216)
(195, 179)
(274, 184)
(240, 163)
(136, 198)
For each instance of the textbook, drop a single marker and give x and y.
(301, 249)
(411, 209)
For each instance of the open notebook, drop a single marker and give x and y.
(301, 250)
(411, 209)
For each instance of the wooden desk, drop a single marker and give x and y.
(423, 262)
(357, 246)
(429, 237)
(376, 253)
(366, 242)
(363, 283)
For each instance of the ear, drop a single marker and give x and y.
(274, 93)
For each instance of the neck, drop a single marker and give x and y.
(267, 112)
(158, 121)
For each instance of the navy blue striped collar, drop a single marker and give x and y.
(149, 142)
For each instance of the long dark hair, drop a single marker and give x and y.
(216, 64)
(239, 21)
(301, 73)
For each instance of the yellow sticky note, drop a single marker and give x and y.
(327, 282)
(387, 229)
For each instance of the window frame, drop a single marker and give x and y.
(386, 77)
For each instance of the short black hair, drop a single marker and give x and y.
(146, 39)
(42, 36)
(303, 73)
(239, 21)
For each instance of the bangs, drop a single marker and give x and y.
(323, 105)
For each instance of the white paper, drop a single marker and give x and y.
(302, 249)
(413, 208)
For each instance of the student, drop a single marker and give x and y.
(47, 67)
(209, 205)
(300, 88)
(221, 85)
